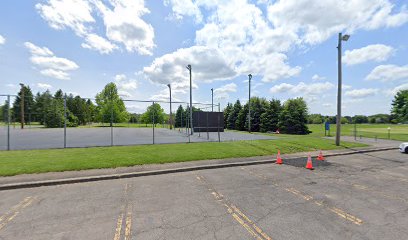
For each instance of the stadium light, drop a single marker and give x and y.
(339, 85)
(212, 99)
(191, 101)
(171, 117)
(249, 103)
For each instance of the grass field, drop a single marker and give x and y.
(397, 132)
(55, 160)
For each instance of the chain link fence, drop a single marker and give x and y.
(67, 122)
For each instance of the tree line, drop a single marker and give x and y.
(268, 116)
(50, 109)
(398, 114)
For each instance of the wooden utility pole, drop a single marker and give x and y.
(22, 105)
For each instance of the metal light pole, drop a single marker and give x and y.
(191, 101)
(212, 99)
(338, 119)
(171, 116)
(249, 103)
(22, 106)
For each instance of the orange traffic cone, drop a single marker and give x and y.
(278, 158)
(320, 157)
(309, 164)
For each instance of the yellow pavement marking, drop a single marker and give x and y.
(236, 213)
(128, 225)
(306, 197)
(125, 217)
(118, 227)
(14, 211)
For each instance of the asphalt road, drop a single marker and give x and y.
(362, 196)
(40, 138)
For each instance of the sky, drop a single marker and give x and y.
(288, 46)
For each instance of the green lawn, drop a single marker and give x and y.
(397, 132)
(55, 160)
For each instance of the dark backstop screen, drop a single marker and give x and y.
(208, 121)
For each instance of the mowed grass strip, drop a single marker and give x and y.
(57, 160)
(397, 132)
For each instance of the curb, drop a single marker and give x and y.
(161, 172)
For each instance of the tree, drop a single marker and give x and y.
(360, 119)
(258, 107)
(55, 113)
(293, 118)
(315, 119)
(28, 103)
(232, 117)
(180, 118)
(110, 106)
(400, 107)
(42, 103)
(270, 118)
(227, 112)
(154, 113)
(241, 123)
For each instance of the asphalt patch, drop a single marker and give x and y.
(301, 162)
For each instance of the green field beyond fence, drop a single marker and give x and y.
(396, 132)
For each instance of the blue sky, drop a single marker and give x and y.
(288, 46)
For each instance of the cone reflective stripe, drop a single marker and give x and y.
(309, 164)
(320, 157)
(278, 158)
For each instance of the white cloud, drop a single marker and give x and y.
(361, 93)
(302, 88)
(125, 25)
(51, 65)
(125, 85)
(44, 86)
(346, 87)
(208, 64)
(316, 21)
(317, 77)
(98, 43)
(375, 52)
(122, 20)
(222, 92)
(327, 105)
(388, 73)
(182, 8)
(250, 42)
(74, 14)
(394, 91)
(2, 40)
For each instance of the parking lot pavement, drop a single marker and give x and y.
(361, 196)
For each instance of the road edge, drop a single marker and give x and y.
(64, 181)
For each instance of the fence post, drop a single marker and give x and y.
(8, 122)
(218, 127)
(153, 120)
(65, 120)
(111, 125)
(198, 123)
(208, 136)
(188, 125)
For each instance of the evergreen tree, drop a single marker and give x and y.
(258, 107)
(270, 118)
(28, 104)
(180, 118)
(227, 112)
(241, 122)
(232, 117)
(293, 118)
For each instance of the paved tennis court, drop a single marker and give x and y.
(40, 138)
